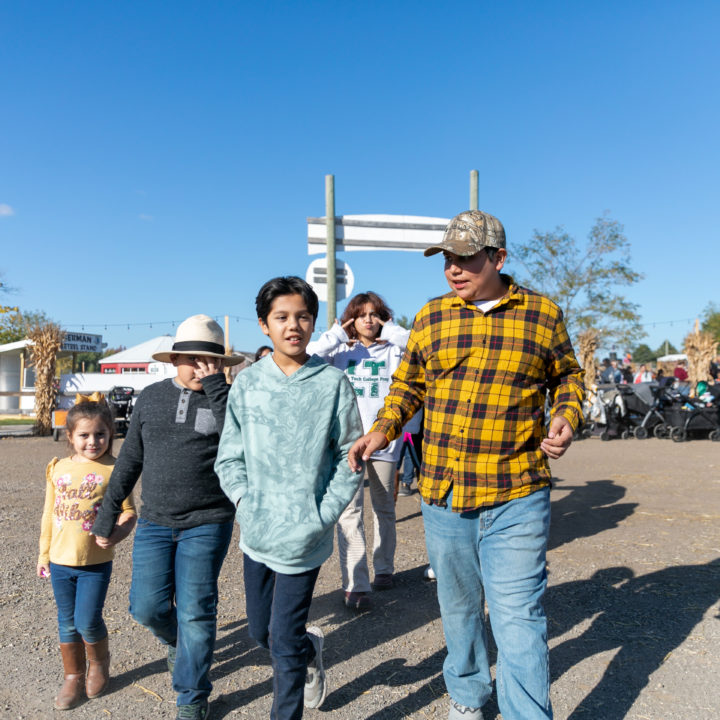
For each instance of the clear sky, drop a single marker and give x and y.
(160, 159)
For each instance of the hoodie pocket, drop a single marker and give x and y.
(282, 526)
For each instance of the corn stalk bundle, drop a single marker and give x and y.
(46, 341)
(587, 347)
(700, 348)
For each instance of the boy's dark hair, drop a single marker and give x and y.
(355, 306)
(290, 285)
(90, 411)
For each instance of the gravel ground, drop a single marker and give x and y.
(633, 604)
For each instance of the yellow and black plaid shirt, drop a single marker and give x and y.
(482, 378)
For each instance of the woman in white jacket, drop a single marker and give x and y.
(367, 346)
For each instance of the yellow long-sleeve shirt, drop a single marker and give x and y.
(73, 495)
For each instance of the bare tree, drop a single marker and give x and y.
(584, 279)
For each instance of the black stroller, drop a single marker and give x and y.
(691, 417)
(647, 403)
(610, 409)
(120, 400)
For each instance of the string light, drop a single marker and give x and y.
(149, 324)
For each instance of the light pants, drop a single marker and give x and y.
(495, 554)
(351, 529)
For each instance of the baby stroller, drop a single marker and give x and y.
(608, 409)
(120, 400)
(691, 417)
(657, 421)
(640, 414)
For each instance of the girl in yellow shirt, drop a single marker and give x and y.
(78, 564)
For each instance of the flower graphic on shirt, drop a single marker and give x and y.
(90, 478)
(63, 481)
(87, 524)
(96, 507)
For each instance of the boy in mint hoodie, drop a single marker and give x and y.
(282, 461)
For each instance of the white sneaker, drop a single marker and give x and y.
(429, 573)
(462, 712)
(315, 685)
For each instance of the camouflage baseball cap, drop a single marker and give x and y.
(469, 232)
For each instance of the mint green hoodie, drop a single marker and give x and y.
(282, 460)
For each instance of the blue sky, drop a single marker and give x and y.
(160, 159)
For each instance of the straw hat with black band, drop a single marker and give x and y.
(199, 335)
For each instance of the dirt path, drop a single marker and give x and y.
(633, 605)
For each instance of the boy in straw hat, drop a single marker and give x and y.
(186, 520)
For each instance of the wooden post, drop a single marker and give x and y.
(22, 379)
(330, 236)
(474, 194)
(228, 375)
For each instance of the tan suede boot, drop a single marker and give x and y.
(98, 670)
(71, 693)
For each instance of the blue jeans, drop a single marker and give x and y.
(277, 607)
(80, 596)
(498, 554)
(174, 594)
(411, 462)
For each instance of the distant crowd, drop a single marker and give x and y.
(625, 372)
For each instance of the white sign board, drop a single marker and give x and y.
(377, 232)
(81, 342)
(316, 275)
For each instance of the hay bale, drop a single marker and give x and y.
(588, 341)
(46, 340)
(700, 348)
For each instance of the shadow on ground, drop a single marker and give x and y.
(644, 618)
(587, 510)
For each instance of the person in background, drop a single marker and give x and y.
(611, 373)
(262, 351)
(680, 372)
(643, 375)
(715, 368)
(627, 374)
(367, 346)
(410, 455)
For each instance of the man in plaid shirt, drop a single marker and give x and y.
(482, 359)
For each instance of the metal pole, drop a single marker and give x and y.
(330, 235)
(474, 190)
(228, 375)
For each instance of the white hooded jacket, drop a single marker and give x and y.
(369, 369)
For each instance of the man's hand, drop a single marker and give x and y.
(207, 365)
(364, 448)
(559, 437)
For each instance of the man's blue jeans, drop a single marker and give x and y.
(80, 596)
(277, 607)
(498, 554)
(174, 594)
